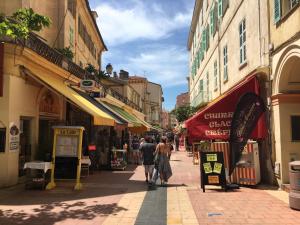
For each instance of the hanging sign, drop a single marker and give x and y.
(212, 169)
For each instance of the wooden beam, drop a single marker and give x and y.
(1, 68)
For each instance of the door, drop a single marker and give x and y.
(25, 144)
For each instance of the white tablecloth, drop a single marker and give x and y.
(86, 161)
(38, 165)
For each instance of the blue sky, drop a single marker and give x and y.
(148, 38)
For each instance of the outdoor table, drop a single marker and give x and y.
(38, 178)
(85, 166)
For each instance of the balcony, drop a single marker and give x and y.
(202, 98)
(41, 48)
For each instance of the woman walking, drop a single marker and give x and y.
(164, 168)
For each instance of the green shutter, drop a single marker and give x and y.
(207, 38)
(220, 8)
(277, 10)
(211, 21)
(204, 40)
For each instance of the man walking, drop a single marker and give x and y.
(147, 149)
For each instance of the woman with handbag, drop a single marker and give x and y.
(164, 168)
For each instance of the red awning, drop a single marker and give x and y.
(214, 121)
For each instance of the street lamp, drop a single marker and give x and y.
(109, 68)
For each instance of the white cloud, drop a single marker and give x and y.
(120, 25)
(166, 65)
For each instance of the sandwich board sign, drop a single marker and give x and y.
(67, 143)
(212, 169)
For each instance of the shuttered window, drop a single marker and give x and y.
(277, 10)
(201, 85)
(225, 62)
(207, 85)
(242, 36)
(211, 24)
(220, 8)
(216, 75)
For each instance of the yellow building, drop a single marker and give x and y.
(285, 80)
(39, 88)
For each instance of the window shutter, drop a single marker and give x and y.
(215, 18)
(207, 38)
(204, 40)
(277, 10)
(225, 5)
(220, 8)
(211, 22)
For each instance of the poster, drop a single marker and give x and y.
(14, 137)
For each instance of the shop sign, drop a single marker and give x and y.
(212, 169)
(87, 85)
(14, 137)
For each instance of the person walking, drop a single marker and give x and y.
(163, 151)
(147, 149)
(176, 142)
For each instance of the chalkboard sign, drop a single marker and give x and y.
(212, 169)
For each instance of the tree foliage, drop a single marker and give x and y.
(66, 52)
(184, 112)
(99, 74)
(21, 23)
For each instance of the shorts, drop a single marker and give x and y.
(149, 168)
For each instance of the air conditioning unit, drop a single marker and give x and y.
(87, 85)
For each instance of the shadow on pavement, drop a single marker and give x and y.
(46, 215)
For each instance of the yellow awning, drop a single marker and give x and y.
(100, 117)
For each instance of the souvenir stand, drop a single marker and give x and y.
(66, 156)
(118, 159)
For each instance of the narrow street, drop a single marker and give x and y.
(122, 197)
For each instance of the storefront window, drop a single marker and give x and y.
(295, 122)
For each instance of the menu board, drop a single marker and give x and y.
(66, 146)
(212, 169)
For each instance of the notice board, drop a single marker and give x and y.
(212, 169)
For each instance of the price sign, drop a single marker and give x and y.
(212, 169)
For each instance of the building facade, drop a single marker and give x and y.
(151, 96)
(284, 83)
(182, 100)
(165, 120)
(39, 88)
(228, 42)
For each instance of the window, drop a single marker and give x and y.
(293, 3)
(211, 24)
(277, 10)
(71, 37)
(242, 32)
(216, 75)
(207, 85)
(295, 123)
(200, 86)
(220, 8)
(72, 7)
(225, 61)
(2, 139)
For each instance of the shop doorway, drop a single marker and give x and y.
(25, 144)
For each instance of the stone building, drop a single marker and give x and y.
(182, 100)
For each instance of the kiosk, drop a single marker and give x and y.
(67, 151)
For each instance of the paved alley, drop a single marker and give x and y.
(122, 197)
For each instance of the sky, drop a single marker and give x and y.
(148, 38)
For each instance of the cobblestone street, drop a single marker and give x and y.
(122, 197)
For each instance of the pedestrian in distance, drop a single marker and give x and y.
(147, 149)
(163, 151)
(176, 142)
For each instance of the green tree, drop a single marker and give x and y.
(21, 23)
(184, 112)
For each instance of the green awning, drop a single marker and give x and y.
(125, 115)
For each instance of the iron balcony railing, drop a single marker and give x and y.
(34, 43)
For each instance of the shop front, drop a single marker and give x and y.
(212, 125)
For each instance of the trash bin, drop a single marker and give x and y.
(294, 196)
